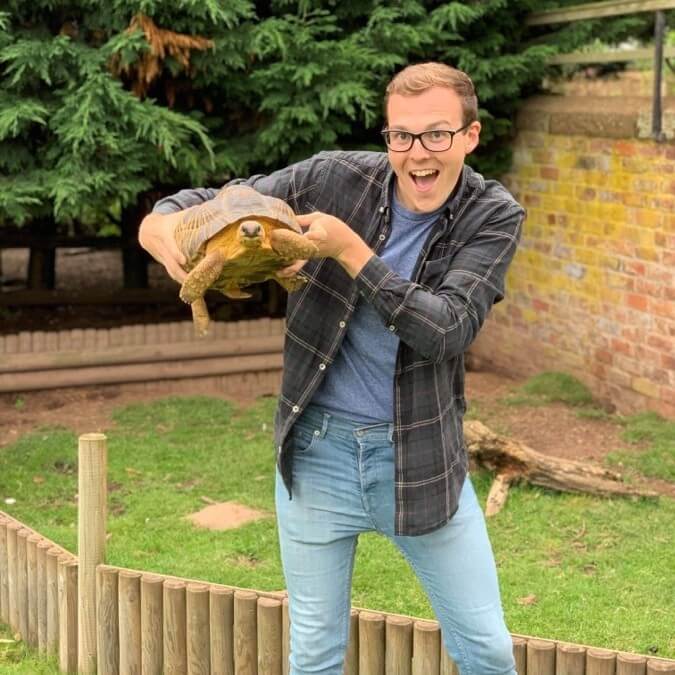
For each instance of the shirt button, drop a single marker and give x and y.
(322, 366)
(296, 409)
(392, 328)
(342, 324)
(381, 237)
(317, 432)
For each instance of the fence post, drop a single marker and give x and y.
(92, 493)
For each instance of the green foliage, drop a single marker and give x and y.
(88, 129)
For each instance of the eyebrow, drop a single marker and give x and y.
(429, 126)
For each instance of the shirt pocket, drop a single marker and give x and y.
(434, 271)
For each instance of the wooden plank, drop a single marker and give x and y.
(596, 10)
(614, 56)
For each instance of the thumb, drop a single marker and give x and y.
(306, 219)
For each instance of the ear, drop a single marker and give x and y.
(471, 137)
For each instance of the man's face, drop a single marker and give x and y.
(436, 108)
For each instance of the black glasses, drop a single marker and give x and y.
(435, 140)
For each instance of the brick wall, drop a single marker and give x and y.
(592, 288)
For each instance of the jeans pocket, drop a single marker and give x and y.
(303, 439)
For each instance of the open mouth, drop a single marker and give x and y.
(424, 179)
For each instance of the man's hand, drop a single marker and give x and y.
(155, 235)
(335, 239)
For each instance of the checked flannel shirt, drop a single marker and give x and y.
(458, 276)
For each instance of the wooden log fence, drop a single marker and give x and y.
(98, 618)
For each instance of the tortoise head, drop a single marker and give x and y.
(251, 233)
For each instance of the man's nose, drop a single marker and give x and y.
(417, 149)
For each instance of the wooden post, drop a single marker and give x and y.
(67, 583)
(570, 660)
(269, 636)
(657, 667)
(4, 572)
(371, 643)
(426, 648)
(42, 595)
(285, 637)
(221, 624)
(22, 582)
(197, 610)
(53, 601)
(129, 598)
(631, 664)
(92, 493)
(398, 645)
(152, 610)
(12, 581)
(520, 654)
(449, 667)
(107, 624)
(174, 629)
(352, 655)
(245, 633)
(31, 588)
(600, 662)
(541, 657)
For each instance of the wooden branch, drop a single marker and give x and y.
(514, 461)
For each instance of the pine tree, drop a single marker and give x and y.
(106, 106)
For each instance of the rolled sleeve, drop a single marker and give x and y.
(442, 323)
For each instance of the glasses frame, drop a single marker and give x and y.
(419, 137)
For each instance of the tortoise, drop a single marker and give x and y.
(240, 237)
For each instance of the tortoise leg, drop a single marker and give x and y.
(292, 245)
(291, 283)
(200, 317)
(202, 276)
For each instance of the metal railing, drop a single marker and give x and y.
(611, 8)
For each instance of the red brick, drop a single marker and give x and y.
(634, 267)
(549, 172)
(649, 287)
(668, 362)
(604, 356)
(622, 346)
(662, 308)
(625, 148)
(661, 342)
(540, 305)
(635, 301)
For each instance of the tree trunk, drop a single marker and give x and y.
(41, 268)
(134, 258)
(514, 461)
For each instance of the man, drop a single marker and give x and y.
(368, 429)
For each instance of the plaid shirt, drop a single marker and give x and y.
(458, 276)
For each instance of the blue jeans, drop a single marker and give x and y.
(343, 484)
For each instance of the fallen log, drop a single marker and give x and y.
(513, 461)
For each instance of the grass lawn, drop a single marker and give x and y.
(595, 571)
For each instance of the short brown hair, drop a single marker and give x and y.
(422, 76)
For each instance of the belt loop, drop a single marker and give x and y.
(391, 433)
(324, 424)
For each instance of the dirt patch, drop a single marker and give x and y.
(225, 516)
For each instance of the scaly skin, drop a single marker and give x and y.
(200, 317)
(202, 276)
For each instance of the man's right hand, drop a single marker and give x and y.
(155, 235)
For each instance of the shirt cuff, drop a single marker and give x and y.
(372, 277)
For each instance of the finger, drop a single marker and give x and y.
(306, 219)
(175, 252)
(316, 233)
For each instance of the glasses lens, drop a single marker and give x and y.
(437, 140)
(398, 140)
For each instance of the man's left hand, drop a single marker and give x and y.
(335, 239)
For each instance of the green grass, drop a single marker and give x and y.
(16, 658)
(657, 459)
(551, 387)
(601, 569)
